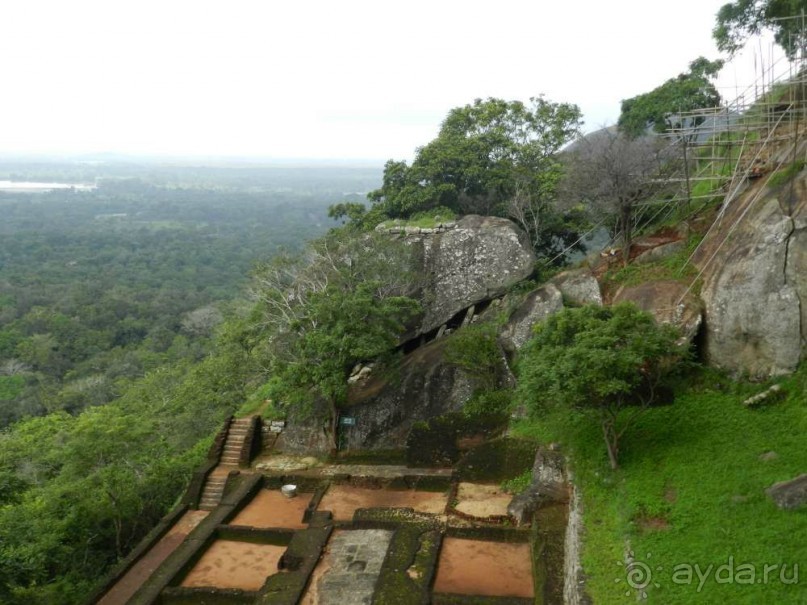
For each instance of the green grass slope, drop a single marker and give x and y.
(691, 492)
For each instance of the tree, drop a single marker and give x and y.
(661, 108)
(738, 20)
(491, 157)
(342, 302)
(612, 173)
(600, 361)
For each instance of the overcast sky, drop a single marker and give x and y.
(319, 79)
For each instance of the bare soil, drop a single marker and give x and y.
(270, 508)
(344, 500)
(311, 596)
(648, 524)
(231, 564)
(480, 500)
(475, 567)
(141, 571)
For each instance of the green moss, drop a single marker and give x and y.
(786, 174)
(519, 483)
(427, 219)
(498, 460)
(435, 443)
(378, 457)
(674, 267)
(408, 568)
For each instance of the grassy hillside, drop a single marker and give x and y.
(690, 491)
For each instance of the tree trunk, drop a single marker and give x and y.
(334, 424)
(611, 441)
(627, 235)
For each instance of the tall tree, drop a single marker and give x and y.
(611, 173)
(738, 20)
(661, 108)
(607, 362)
(490, 157)
(342, 302)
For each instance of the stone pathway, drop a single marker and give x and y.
(350, 568)
(311, 467)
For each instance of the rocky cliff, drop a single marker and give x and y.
(477, 259)
(754, 263)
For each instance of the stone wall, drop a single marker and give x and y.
(573, 579)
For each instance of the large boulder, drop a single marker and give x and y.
(423, 385)
(548, 485)
(478, 259)
(755, 282)
(579, 287)
(789, 494)
(670, 303)
(537, 306)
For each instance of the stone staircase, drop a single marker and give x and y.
(230, 455)
(213, 491)
(235, 441)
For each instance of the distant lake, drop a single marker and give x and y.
(31, 187)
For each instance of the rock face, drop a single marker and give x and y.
(660, 252)
(669, 303)
(789, 494)
(755, 282)
(306, 431)
(579, 287)
(539, 304)
(423, 386)
(476, 260)
(548, 485)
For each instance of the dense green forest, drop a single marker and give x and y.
(97, 287)
(124, 344)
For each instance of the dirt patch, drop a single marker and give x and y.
(270, 508)
(648, 524)
(475, 567)
(670, 494)
(480, 500)
(311, 596)
(344, 500)
(231, 564)
(148, 563)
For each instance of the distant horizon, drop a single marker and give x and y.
(112, 157)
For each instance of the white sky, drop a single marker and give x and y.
(319, 79)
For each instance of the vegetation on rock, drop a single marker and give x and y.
(492, 157)
(342, 302)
